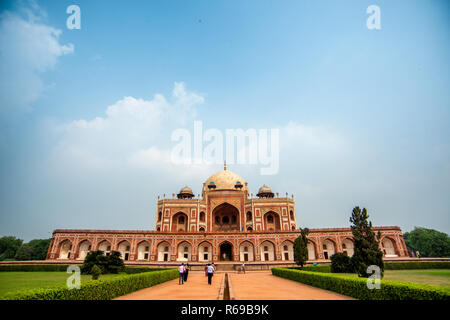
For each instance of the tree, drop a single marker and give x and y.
(366, 245)
(96, 272)
(341, 263)
(107, 264)
(301, 247)
(9, 247)
(95, 258)
(115, 263)
(429, 242)
(33, 250)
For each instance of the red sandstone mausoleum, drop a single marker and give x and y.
(226, 224)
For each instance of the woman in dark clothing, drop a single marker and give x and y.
(186, 272)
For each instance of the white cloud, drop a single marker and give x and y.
(28, 48)
(133, 133)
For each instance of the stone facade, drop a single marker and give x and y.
(225, 224)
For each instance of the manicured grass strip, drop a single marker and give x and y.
(102, 289)
(435, 277)
(357, 287)
(16, 281)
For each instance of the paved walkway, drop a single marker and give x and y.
(249, 286)
(196, 288)
(265, 286)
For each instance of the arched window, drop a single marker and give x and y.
(233, 219)
(225, 219)
(249, 216)
(181, 220)
(159, 216)
(202, 216)
(270, 219)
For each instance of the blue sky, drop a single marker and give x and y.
(363, 114)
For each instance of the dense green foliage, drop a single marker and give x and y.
(366, 249)
(102, 289)
(12, 248)
(32, 267)
(63, 267)
(341, 263)
(317, 268)
(96, 272)
(357, 287)
(9, 247)
(417, 265)
(107, 264)
(429, 242)
(301, 247)
(33, 250)
(132, 270)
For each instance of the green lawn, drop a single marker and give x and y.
(13, 281)
(436, 277)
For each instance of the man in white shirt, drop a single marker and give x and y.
(210, 270)
(181, 272)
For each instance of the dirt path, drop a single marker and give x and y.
(196, 288)
(265, 286)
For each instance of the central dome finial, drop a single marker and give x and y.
(225, 165)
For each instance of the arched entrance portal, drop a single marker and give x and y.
(226, 252)
(226, 218)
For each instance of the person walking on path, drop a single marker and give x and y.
(243, 267)
(186, 272)
(418, 254)
(181, 272)
(210, 273)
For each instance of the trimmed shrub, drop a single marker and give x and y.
(63, 267)
(417, 265)
(341, 263)
(133, 270)
(32, 267)
(103, 289)
(319, 268)
(357, 287)
(96, 272)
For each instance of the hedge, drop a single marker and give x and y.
(133, 270)
(33, 267)
(63, 267)
(387, 266)
(319, 268)
(103, 289)
(357, 287)
(417, 265)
